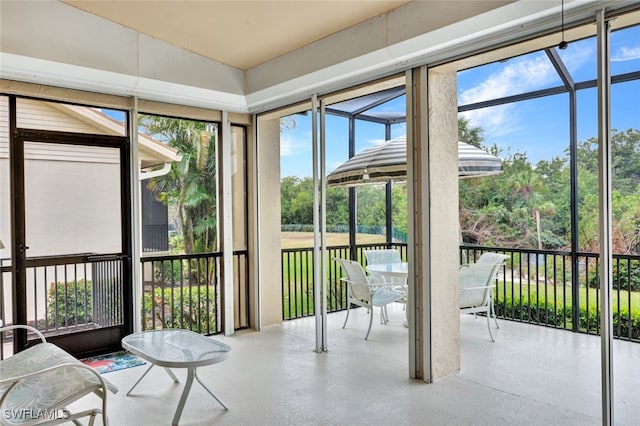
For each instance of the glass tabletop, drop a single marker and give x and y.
(176, 348)
(393, 269)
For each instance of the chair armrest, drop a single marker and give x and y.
(476, 288)
(10, 383)
(26, 327)
(7, 380)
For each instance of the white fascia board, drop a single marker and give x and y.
(34, 70)
(509, 22)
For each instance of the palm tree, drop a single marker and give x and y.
(469, 134)
(527, 184)
(190, 186)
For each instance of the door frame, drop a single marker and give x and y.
(82, 342)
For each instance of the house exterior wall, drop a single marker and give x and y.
(72, 207)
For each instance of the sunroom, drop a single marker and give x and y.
(133, 65)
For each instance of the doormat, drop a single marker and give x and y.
(113, 362)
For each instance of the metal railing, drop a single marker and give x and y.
(297, 278)
(534, 286)
(185, 291)
(84, 291)
(68, 292)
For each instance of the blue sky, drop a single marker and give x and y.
(538, 127)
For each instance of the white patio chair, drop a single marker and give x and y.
(476, 288)
(38, 383)
(363, 293)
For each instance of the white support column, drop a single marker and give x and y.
(432, 152)
(227, 228)
(323, 224)
(268, 249)
(606, 244)
(444, 223)
(136, 220)
(318, 283)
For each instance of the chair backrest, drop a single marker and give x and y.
(381, 257)
(377, 257)
(476, 282)
(490, 257)
(356, 278)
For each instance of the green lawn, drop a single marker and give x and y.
(305, 239)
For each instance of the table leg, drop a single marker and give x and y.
(140, 379)
(168, 370)
(173, 376)
(210, 393)
(191, 371)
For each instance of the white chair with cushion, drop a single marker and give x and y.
(38, 383)
(363, 293)
(476, 287)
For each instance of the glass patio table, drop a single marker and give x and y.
(390, 269)
(177, 348)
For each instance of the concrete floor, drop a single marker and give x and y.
(530, 376)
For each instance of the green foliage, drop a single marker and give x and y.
(371, 205)
(625, 324)
(526, 206)
(169, 272)
(626, 276)
(190, 307)
(523, 310)
(190, 186)
(501, 210)
(467, 133)
(69, 303)
(297, 205)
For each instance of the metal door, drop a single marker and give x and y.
(72, 238)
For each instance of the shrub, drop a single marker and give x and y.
(626, 276)
(543, 313)
(191, 307)
(625, 324)
(69, 303)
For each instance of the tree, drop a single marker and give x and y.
(191, 183)
(469, 134)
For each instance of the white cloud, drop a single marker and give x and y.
(496, 121)
(578, 55)
(519, 75)
(626, 54)
(294, 145)
(285, 147)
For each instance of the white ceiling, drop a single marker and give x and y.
(259, 55)
(241, 34)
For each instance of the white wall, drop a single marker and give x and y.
(48, 41)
